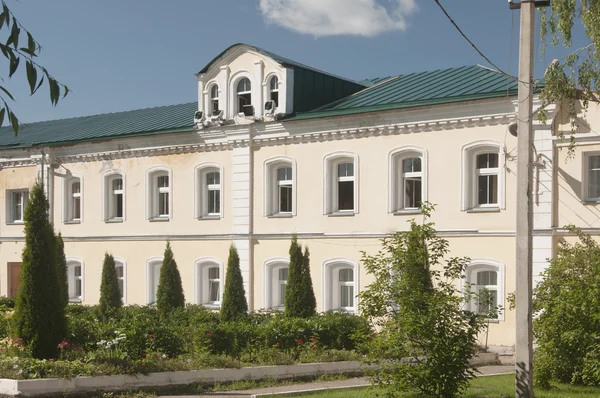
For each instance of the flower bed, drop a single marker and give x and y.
(136, 340)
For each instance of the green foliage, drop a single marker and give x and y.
(61, 267)
(110, 294)
(35, 72)
(426, 339)
(567, 307)
(39, 317)
(169, 294)
(577, 77)
(234, 305)
(299, 294)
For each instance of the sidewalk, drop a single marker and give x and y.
(354, 382)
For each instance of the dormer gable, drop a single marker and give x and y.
(245, 84)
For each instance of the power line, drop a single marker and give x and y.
(473, 44)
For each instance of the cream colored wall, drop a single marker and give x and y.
(321, 250)
(183, 221)
(444, 183)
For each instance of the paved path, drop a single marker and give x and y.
(354, 382)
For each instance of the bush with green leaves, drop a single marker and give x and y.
(61, 269)
(169, 294)
(39, 317)
(234, 305)
(426, 338)
(567, 315)
(110, 293)
(299, 294)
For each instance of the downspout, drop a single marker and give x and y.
(251, 219)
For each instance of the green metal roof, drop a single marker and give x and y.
(420, 89)
(105, 126)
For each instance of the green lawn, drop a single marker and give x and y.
(482, 387)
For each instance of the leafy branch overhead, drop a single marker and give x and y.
(28, 50)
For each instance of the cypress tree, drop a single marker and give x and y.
(310, 302)
(39, 317)
(169, 294)
(110, 294)
(299, 295)
(61, 267)
(234, 305)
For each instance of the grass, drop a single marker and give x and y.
(482, 387)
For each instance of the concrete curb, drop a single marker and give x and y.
(37, 387)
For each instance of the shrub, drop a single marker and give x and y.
(39, 317)
(566, 308)
(426, 338)
(234, 304)
(110, 294)
(61, 269)
(299, 295)
(169, 294)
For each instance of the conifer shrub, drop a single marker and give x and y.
(110, 294)
(61, 267)
(234, 305)
(39, 317)
(169, 294)
(300, 299)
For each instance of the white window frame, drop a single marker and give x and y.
(469, 174)
(201, 190)
(232, 97)
(212, 99)
(270, 91)
(271, 280)
(586, 177)
(68, 199)
(151, 278)
(331, 180)
(108, 195)
(396, 177)
(331, 285)
(73, 262)
(201, 288)
(120, 262)
(237, 93)
(11, 216)
(152, 192)
(476, 265)
(271, 192)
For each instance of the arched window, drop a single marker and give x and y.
(244, 97)
(341, 285)
(208, 282)
(114, 197)
(214, 99)
(274, 90)
(120, 266)
(209, 187)
(280, 187)
(341, 183)
(73, 199)
(486, 275)
(153, 267)
(75, 279)
(408, 179)
(158, 182)
(276, 275)
(483, 176)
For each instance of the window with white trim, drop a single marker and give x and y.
(280, 187)
(209, 191)
(208, 282)
(244, 96)
(159, 194)
(73, 199)
(341, 188)
(214, 99)
(274, 90)
(114, 197)
(75, 280)
(153, 267)
(341, 285)
(276, 275)
(592, 177)
(483, 176)
(486, 276)
(408, 170)
(121, 277)
(16, 203)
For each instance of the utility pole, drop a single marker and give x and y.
(524, 264)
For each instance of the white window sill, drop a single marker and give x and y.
(159, 219)
(342, 214)
(591, 201)
(281, 215)
(404, 212)
(484, 210)
(15, 223)
(75, 300)
(212, 306)
(73, 222)
(114, 220)
(210, 217)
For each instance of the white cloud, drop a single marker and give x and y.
(338, 17)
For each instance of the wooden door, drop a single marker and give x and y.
(14, 274)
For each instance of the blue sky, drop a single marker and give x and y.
(120, 55)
